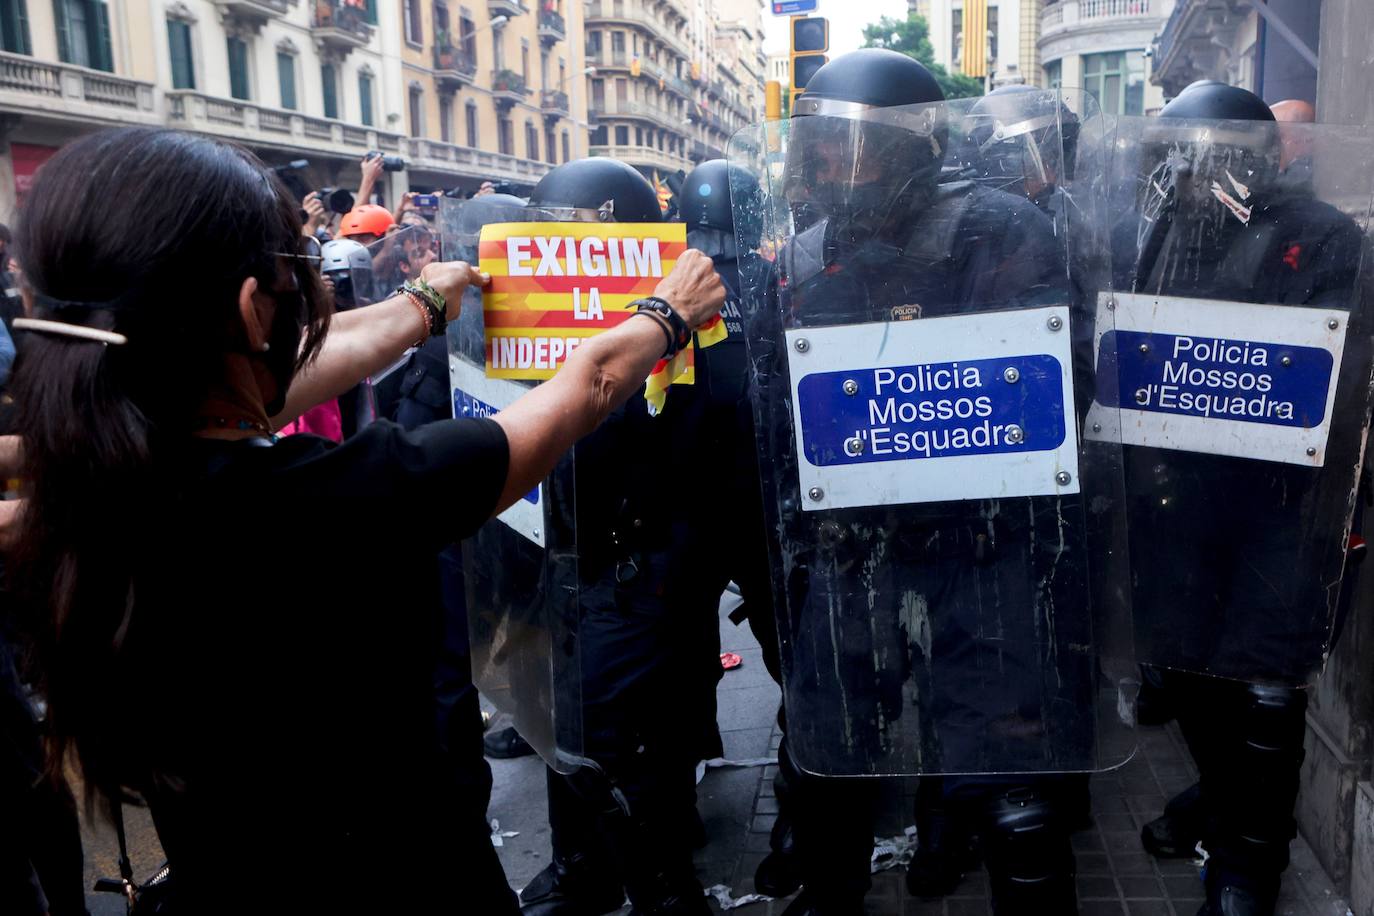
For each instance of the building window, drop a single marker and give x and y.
(550, 148)
(329, 83)
(365, 98)
(468, 30)
(14, 27)
(599, 137)
(992, 33)
(1117, 80)
(83, 33)
(506, 132)
(594, 45)
(498, 48)
(622, 135)
(525, 60)
(417, 114)
(566, 145)
(179, 42)
(238, 67)
(1054, 74)
(531, 141)
(639, 136)
(544, 70)
(370, 11)
(446, 118)
(286, 78)
(956, 36)
(471, 112)
(414, 27)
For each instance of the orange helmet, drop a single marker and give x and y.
(368, 219)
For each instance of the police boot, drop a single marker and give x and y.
(944, 851)
(1253, 826)
(1232, 894)
(571, 887)
(656, 859)
(808, 904)
(1030, 862)
(780, 872)
(1176, 833)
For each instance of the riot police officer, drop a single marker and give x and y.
(1239, 624)
(722, 537)
(884, 233)
(620, 824)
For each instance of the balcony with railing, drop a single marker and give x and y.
(552, 28)
(508, 87)
(67, 92)
(1074, 14)
(252, 11)
(554, 103)
(642, 111)
(340, 27)
(453, 67)
(261, 125)
(509, 8)
(647, 156)
(658, 29)
(449, 158)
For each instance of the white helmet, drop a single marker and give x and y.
(349, 266)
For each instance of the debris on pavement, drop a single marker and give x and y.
(725, 898)
(499, 836)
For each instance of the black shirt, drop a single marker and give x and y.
(280, 670)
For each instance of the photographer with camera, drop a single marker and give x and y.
(186, 663)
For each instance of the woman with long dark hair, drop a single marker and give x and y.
(279, 727)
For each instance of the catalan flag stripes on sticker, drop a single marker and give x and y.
(554, 285)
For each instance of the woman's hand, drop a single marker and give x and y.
(450, 278)
(314, 213)
(693, 288)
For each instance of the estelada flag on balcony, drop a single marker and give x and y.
(554, 285)
(664, 193)
(635, 69)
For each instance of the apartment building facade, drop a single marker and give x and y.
(496, 76)
(322, 80)
(672, 81)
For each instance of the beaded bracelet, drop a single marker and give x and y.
(428, 298)
(426, 315)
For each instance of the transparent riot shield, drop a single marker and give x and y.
(1235, 366)
(949, 588)
(520, 569)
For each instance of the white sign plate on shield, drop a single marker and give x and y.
(934, 410)
(475, 395)
(1221, 378)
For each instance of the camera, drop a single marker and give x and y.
(426, 202)
(336, 200)
(389, 163)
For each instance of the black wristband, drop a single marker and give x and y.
(662, 326)
(680, 335)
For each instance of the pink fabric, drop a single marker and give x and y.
(324, 420)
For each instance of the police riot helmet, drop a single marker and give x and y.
(348, 265)
(595, 190)
(722, 205)
(1021, 139)
(866, 143)
(1208, 155)
(489, 208)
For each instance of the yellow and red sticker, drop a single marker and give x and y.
(554, 285)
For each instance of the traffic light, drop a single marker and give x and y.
(810, 41)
